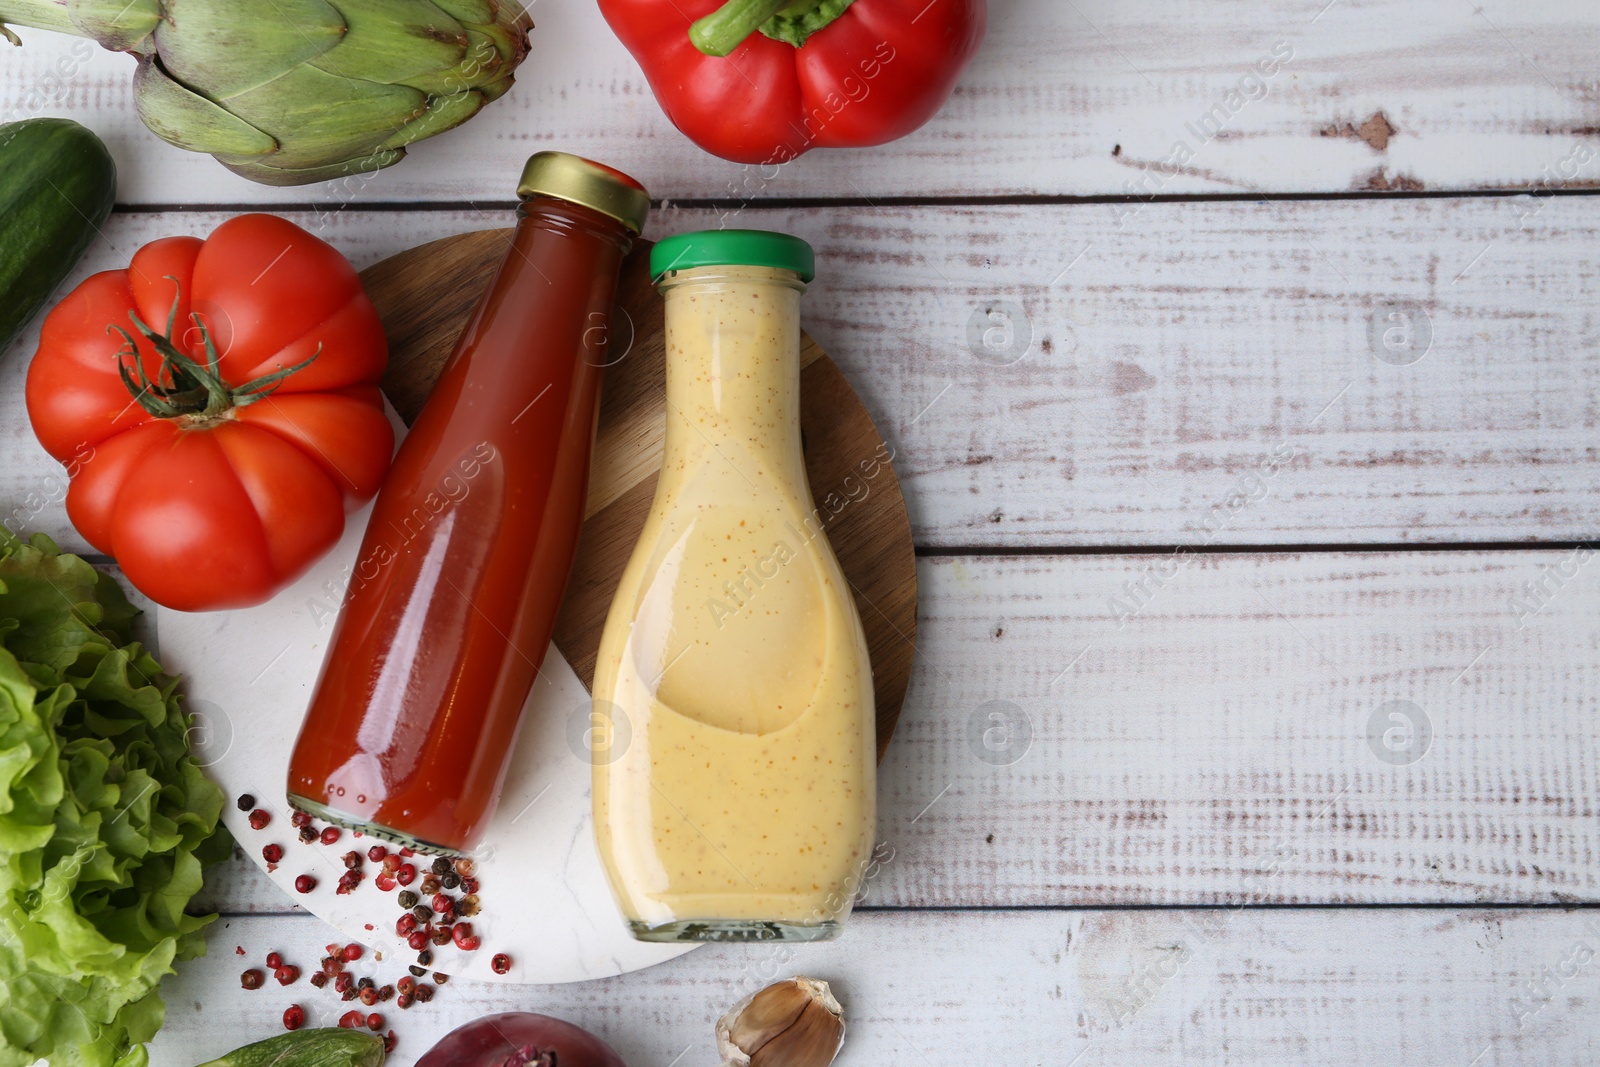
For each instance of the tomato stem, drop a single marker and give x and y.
(192, 388)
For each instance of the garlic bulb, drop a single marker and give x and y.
(793, 1023)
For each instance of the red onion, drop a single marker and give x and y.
(520, 1039)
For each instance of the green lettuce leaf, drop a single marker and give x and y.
(106, 820)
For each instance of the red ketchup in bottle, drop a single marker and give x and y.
(454, 596)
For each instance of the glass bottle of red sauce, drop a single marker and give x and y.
(454, 596)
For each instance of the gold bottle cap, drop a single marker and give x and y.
(583, 181)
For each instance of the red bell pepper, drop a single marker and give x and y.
(761, 81)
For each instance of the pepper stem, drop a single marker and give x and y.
(789, 21)
(725, 29)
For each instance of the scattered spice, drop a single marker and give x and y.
(501, 963)
(252, 979)
(259, 819)
(272, 853)
(294, 1017)
(246, 802)
(304, 884)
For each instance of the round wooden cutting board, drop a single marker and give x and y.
(425, 296)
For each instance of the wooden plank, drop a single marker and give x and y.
(1297, 728)
(1198, 373)
(1226, 733)
(1083, 98)
(1099, 989)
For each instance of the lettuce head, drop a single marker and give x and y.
(105, 818)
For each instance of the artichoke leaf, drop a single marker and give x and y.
(471, 10)
(118, 25)
(224, 49)
(486, 64)
(264, 173)
(322, 119)
(189, 120)
(444, 113)
(393, 41)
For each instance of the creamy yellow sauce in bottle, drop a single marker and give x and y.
(734, 757)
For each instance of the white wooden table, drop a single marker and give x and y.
(1226, 468)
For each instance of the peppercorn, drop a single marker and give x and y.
(252, 979)
(246, 801)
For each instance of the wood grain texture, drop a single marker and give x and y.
(1219, 988)
(1226, 742)
(1169, 356)
(1081, 98)
(425, 297)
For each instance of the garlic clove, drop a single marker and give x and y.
(794, 1023)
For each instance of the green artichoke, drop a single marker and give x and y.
(287, 92)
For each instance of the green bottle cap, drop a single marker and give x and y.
(720, 248)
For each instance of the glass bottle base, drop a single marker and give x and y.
(369, 828)
(733, 930)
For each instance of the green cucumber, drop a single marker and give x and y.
(57, 183)
(328, 1046)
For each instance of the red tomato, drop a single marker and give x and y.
(212, 488)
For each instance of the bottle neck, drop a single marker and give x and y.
(550, 299)
(733, 361)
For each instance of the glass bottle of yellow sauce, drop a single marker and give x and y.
(734, 751)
